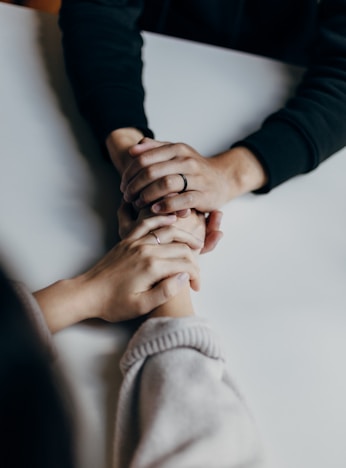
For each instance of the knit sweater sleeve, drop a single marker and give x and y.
(36, 317)
(102, 49)
(178, 405)
(312, 126)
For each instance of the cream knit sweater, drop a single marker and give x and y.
(178, 406)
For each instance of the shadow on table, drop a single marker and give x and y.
(107, 194)
(106, 197)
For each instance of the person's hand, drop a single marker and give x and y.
(181, 305)
(143, 271)
(213, 234)
(118, 144)
(158, 168)
(128, 216)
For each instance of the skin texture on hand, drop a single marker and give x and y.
(213, 233)
(212, 182)
(134, 278)
(181, 304)
(127, 217)
(195, 223)
(118, 144)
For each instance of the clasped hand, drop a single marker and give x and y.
(153, 178)
(136, 276)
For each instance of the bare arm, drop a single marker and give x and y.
(211, 182)
(134, 278)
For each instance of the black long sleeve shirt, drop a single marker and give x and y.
(102, 46)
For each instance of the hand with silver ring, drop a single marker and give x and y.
(145, 179)
(156, 237)
(134, 278)
(127, 220)
(190, 232)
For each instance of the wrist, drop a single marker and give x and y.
(178, 306)
(62, 304)
(242, 171)
(118, 143)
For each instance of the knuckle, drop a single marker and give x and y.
(189, 198)
(167, 183)
(146, 223)
(181, 148)
(166, 291)
(145, 197)
(143, 251)
(142, 160)
(150, 173)
(186, 250)
(168, 204)
(193, 165)
(150, 264)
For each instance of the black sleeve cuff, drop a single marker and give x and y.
(281, 149)
(111, 109)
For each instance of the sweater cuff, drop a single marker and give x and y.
(161, 334)
(282, 150)
(111, 109)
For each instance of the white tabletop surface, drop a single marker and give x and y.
(274, 289)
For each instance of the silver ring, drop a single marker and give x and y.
(185, 183)
(156, 237)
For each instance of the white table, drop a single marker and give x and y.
(275, 287)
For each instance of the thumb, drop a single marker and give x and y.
(165, 290)
(144, 145)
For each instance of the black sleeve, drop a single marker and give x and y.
(312, 126)
(102, 49)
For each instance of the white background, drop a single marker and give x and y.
(275, 287)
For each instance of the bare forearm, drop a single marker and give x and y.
(179, 306)
(211, 182)
(243, 171)
(62, 304)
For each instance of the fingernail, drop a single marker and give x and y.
(156, 208)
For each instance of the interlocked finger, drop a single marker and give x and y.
(185, 183)
(172, 234)
(158, 241)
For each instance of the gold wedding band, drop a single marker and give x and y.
(185, 183)
(156, 237)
